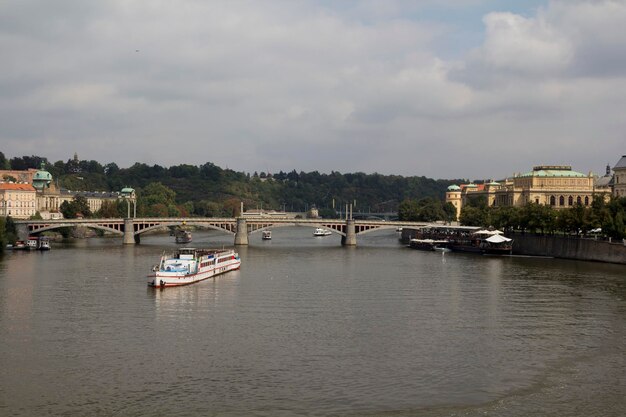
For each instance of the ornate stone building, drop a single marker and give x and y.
(17, 200)
(619, 178)
(22, 200)
(554, 185)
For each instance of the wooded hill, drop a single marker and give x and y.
(209, 190)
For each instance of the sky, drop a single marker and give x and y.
(476, 89)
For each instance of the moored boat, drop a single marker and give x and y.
(183, 236)
(43, 244)
(18, 245)
(322, 232)
(497, 245)
(32, 243)
(267, 235)
(428, 244)
(463, 239)
(188, 265)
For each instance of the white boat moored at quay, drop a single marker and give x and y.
(188, 265)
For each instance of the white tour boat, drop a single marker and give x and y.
(189, 265)
(322, 232)
(267, 235)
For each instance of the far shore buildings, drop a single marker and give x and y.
(17, 200)
(34, 191)
(619, 180)
(555, 185)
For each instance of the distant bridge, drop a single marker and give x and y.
(132, 228)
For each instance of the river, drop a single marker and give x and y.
(309, 328)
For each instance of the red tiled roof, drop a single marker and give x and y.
(18, 187)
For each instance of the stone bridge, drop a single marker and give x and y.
(132, 228)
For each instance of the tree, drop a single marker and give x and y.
(4, 162)
(112, 209)
(3, 232)
(450, 212)
(79, 205)
(473, 216)
(408, 210)
(157, 200)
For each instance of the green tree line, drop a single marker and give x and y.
(209, 190)
(578, 219)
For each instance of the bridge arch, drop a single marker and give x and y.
(187, 223)
(38, 230)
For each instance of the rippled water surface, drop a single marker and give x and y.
(310, 328)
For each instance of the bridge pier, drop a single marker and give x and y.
(129, 232)
(350, 238)
(241, 237)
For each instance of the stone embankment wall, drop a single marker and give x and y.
(569, 248)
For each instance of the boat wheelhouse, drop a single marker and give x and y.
(188, 265)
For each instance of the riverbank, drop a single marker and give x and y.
(564, 247)
(583, 249)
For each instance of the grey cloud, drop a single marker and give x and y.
(307, 85)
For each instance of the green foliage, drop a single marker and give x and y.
(578, 219)
(327, 213)
(113, 209)
(196, 186)
(426, 210)
(71, 209)
(474, 216)
(157, 200)
(8, 231)
(36, 216)
(3, 232)
(4, 162)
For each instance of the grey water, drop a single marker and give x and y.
(309, 328)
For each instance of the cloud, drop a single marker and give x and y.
(308, 85)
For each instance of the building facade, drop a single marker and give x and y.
(23, 200)
(619, 178)
(17, 200)
(555, 185)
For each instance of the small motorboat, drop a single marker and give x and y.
(267, 235)
(322, 232)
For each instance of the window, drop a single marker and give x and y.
(587, 200)
(570, 201)
(552, 200)
(579, 200)
(561, 201)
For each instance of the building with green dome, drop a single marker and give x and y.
(555, 185)
(42, 178)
